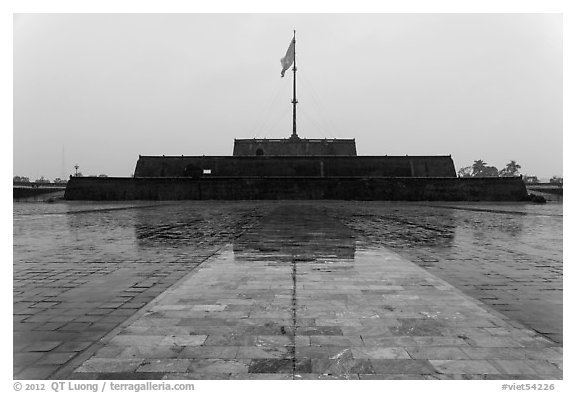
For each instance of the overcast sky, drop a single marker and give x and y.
(98, 89)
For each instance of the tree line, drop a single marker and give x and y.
(42, 180)
(481, 169)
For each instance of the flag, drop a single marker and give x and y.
(287, 60)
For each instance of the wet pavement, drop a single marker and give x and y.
(307, 290)
(507, 256)
(82, 269)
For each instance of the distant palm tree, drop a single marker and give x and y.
(478, 167)
(511, 169)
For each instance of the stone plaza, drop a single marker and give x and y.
(287, 290)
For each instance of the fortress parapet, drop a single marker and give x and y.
(294, 147)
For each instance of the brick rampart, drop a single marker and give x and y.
(319, 166)
(270, 188)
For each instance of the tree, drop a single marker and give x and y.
(531, 180)
(557, 180)
(42, 180)
(465, 172)
(478, 167)
(511, 169)
(59, 181)
(489, 171)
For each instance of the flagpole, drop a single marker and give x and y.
(294, 101)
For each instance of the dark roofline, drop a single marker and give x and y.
(289, 140)
(298, 157)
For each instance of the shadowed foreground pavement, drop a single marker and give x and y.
(294, 299)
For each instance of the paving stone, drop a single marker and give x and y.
(386, 341)
(402, 366)
(342, 366)
(135, 340)
(544, 367)
(351, 341)
(270, 366)
(323, 321)
(494, 353)
(230, 340)
(164, 366)
(316, 376)
(27, 357)
(514, 367)
(319, 352)
(239, 366)
(110, 352)
(435, 341)
(154, 351)
(378, 329)
(417, 327)
(58, 358)
(260, 352)
(44, 346)
(491, 341)
(437, 353)
(319, 331)
(379, 353)
(263, 376)
(182, 340)
(212, 352)
(103, 365)
(464, 367)
(36, 372)
(392, 376)
(197, 376)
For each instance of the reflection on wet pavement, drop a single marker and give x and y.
(307, 289)
(509, 256)
(315, 240)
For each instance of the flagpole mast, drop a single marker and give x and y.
(294, 101)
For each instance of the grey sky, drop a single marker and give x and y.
(99, 89)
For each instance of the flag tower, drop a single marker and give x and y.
(287, 61)
(294, 100)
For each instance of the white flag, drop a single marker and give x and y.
(287, 60)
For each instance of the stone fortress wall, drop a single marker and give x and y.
(298, 188)
(296, 168)
(321, 166)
